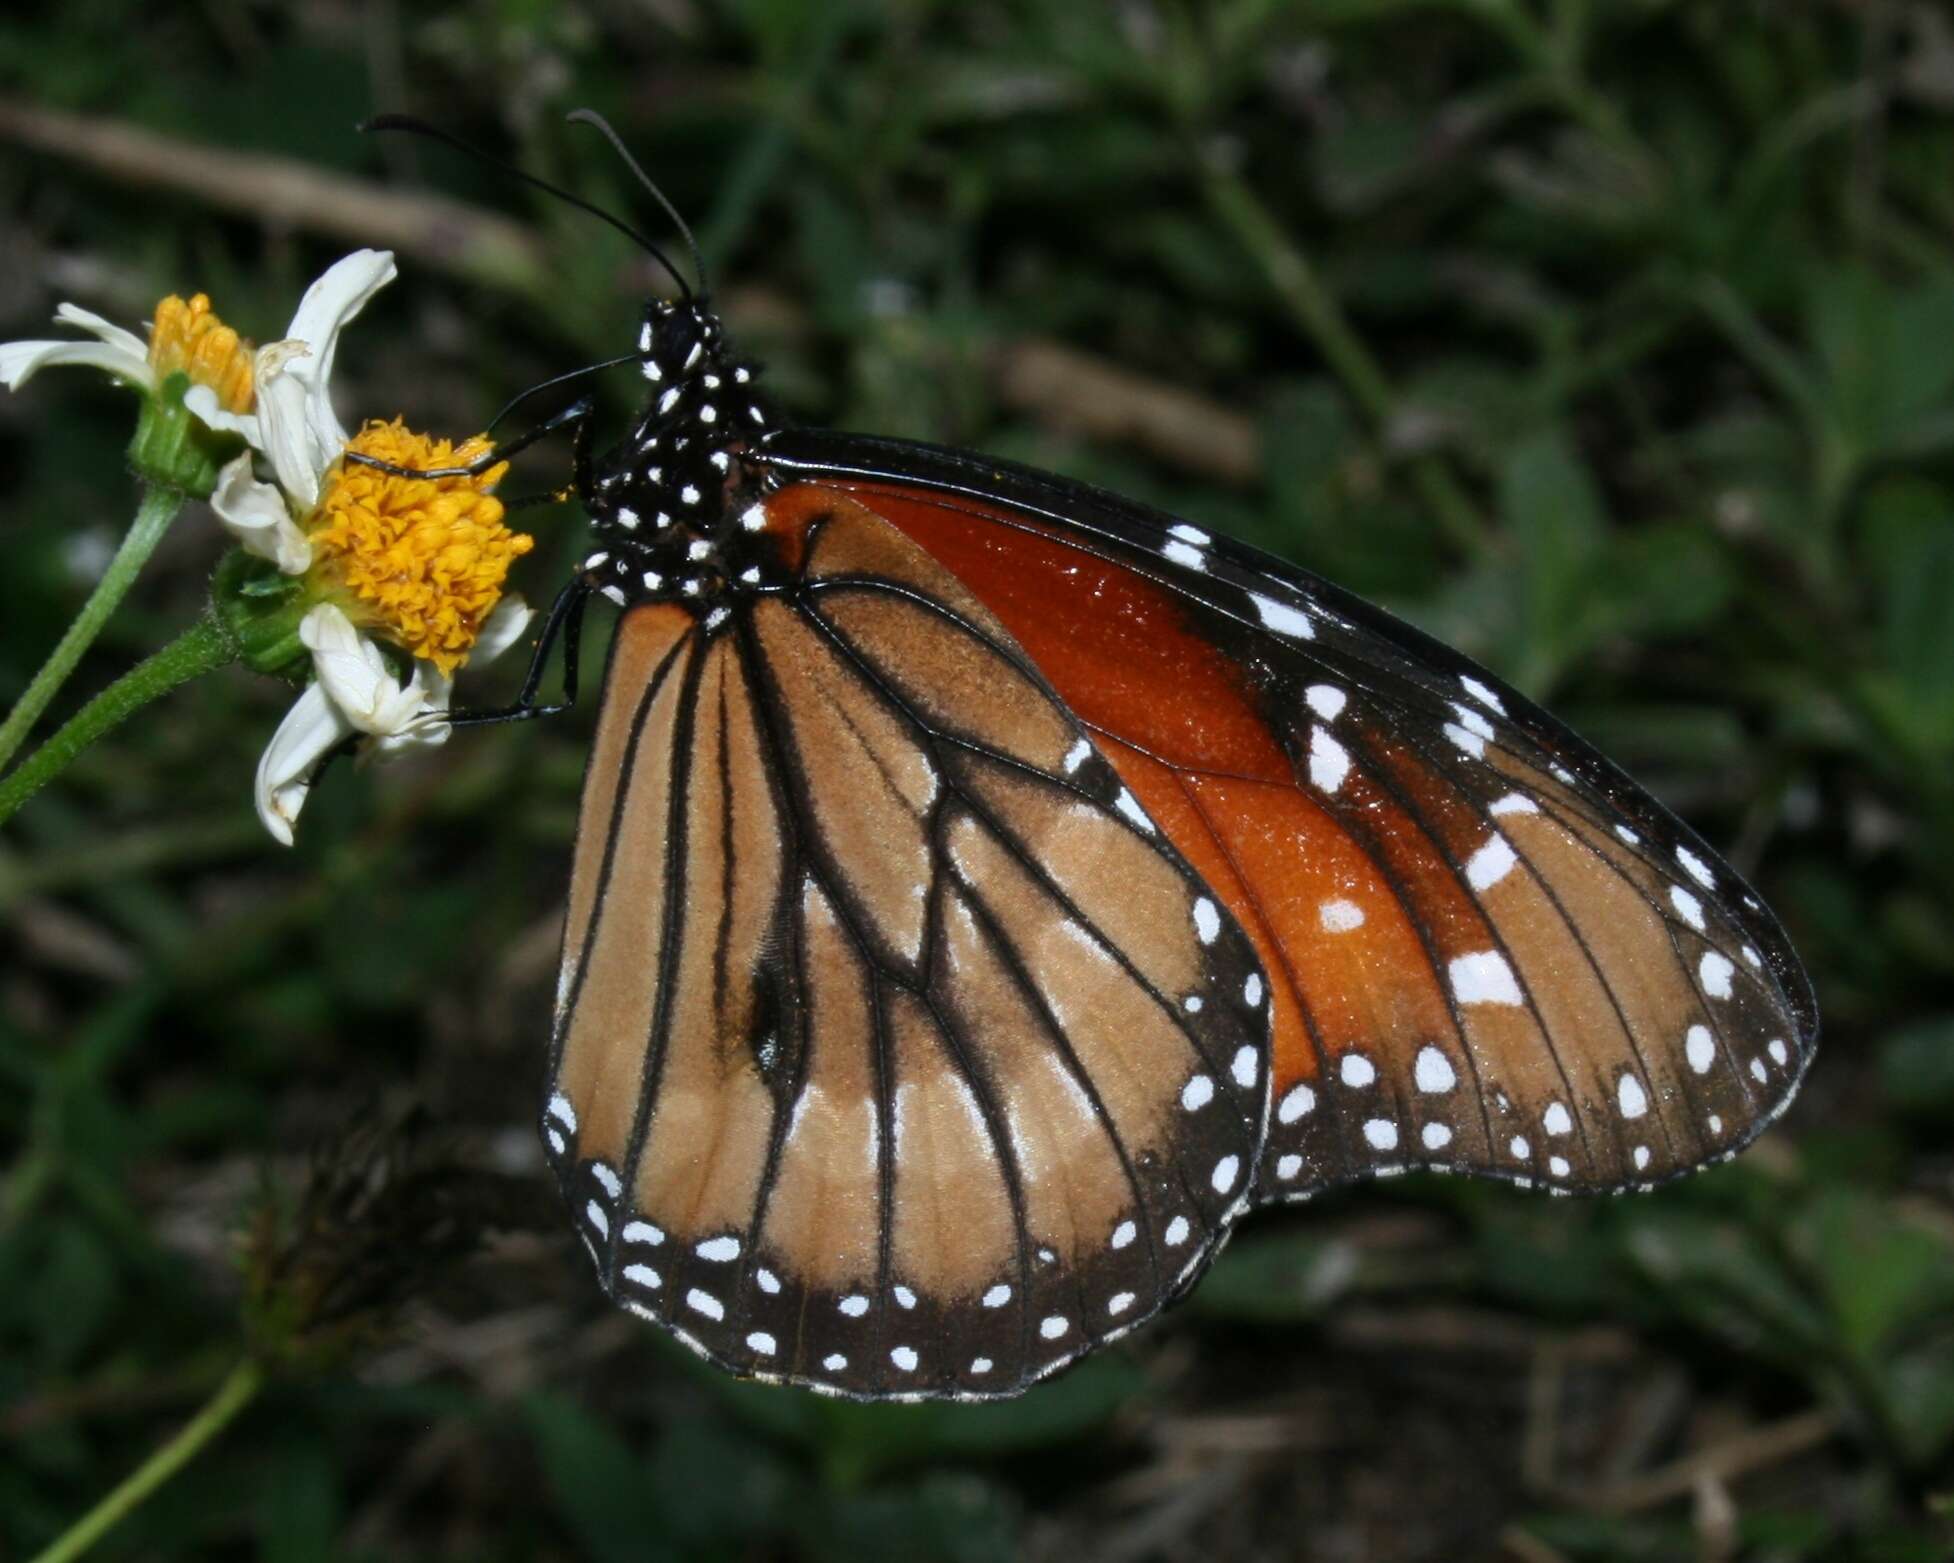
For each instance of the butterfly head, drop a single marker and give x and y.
(666, 501)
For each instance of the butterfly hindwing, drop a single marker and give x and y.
(898, 1051)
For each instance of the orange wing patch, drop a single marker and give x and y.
(1479, 960)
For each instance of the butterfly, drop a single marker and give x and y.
(986, 889)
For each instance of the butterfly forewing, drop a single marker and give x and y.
(1486, 949)
(898, 1051)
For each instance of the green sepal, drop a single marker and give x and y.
(262, 608)
(172, 448)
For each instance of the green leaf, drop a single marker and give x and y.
(1278, 1280)
(1916, 1066)
(601, 1488)
(1553, 510)
(1909, 528)
(1882, 1273)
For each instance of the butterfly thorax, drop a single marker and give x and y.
(666, 501)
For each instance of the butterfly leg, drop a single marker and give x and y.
(581, 471)
(565, 619)
(577, 414)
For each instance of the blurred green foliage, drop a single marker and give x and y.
(1612, 340)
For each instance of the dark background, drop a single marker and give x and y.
(1613, 342)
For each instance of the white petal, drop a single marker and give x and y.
(425, 729)
(204, 406)
(302, 435)
(21, 361)
(285, 431)
(356, 676)
(129, 344)
(338, 294)
(501, 629)
(310, 729)
(257, 516)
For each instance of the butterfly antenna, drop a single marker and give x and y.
(592, 117)
(420, 127)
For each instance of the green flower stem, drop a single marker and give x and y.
(203, 648)
(1322, 319)
(237, 1391)
(153, 517)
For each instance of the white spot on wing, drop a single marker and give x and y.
(1197, 1093)
(1687, 907)
(594, 1213)
(905, 1298)
(1282, 618)
(1356, 1070)
(1490, 864)
(642, 1275)
(1433, 1071)
(834, 1362)
(1519, 1147)
(561, 1110)
(643, 1232)
(1556, 1119)
(1473, 722)
(1118, 1303)
(606, 1179)
(768, 1281)
(720, 1250)
(1190, 534)
(1246, 1067)
(1436, 1136)
(997, 1296)
(1465, 742)
(1053, 1325)
(1129, 805)
(1207, 920)
(761, 1342)
(1780, 1054)
(854, 1305)
(905, 1358)
(706, 1303)
(1288, 1166)
(1700, 1048)
(1634, 1100)
(1715, 970)
(1225, 1172)
(1326, 700)
(1182, 554)
(1124, 1234)
(1697, 869)
(1484, 978)
(1340, 916)
(1252, 990)
(1381, 1133)
(1176, 1233)
(1296, 1104)
(1077, 756)
(1514, 803)
(1481, 693)
(1328, 761)
(1641, 1157)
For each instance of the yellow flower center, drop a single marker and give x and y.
(190, 337)
(421, 560)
